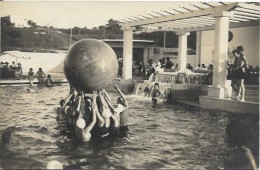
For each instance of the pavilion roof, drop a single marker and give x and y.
(196, 16)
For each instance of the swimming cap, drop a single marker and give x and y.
(54, 165)
(81, 123)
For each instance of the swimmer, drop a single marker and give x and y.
(122, 107)
(87, 116)
(156, 96)
(83, 131)
(76, 111)
(29, 90)
(100, 129)
(62, 118)
(115, 116)
(105, 110)
(240, 157)
(63, 114)
(49, 81)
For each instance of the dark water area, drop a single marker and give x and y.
(175, 136)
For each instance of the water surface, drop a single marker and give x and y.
(175, 136)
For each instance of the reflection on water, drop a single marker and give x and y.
(174, 136)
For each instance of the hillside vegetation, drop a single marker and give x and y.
(44, 39)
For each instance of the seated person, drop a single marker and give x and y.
(30, 77)
(49, 81)
(40, 75)
(156, 96)
(83, 131)
(240, 157)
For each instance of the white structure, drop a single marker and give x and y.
(19, 21)
(217, 16)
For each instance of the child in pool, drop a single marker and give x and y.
(156, 96)
(49, 81)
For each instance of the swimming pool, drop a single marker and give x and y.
(175, 136)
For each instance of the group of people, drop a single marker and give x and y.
(41, 78)
(14, 70)
(237, 72)
(86, 116)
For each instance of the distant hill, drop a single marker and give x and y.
(44, 39)
(33, 39)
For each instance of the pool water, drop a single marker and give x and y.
(175, 136)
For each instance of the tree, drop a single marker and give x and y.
(6, 22)
(32, 24)
(113, 26)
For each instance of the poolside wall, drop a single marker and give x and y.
(190, 92)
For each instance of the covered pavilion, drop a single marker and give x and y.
(217, 16)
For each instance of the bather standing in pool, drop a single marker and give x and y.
(156, 96)
(122, 106)
(83, 130)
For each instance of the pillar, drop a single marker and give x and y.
(146, 56)
(198, 48)
(219, 88)
(182, 50)
(127, 53)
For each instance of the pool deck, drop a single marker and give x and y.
(196, 95)
(35, 81)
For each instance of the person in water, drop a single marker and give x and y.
(100, 130)
(62, 118)
(122, 108)
(49, 81)
(156, 96)
(241, 157)
(115, 116)
(83, 131)
(87, 114)
(104, 109)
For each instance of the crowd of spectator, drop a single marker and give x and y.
(13, 70)
(139, 69)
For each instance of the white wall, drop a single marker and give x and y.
(248, 37)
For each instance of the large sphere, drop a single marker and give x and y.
(90, 65)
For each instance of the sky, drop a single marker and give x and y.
(68, 14)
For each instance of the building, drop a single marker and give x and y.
(213, 22)
(19, 21)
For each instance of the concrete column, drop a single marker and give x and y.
(146, 57)
(198, 48)
(219, 88)
(182, 50)
(127, 54)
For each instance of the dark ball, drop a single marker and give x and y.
(90, 65)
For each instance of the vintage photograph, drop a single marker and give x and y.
(129, 85)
